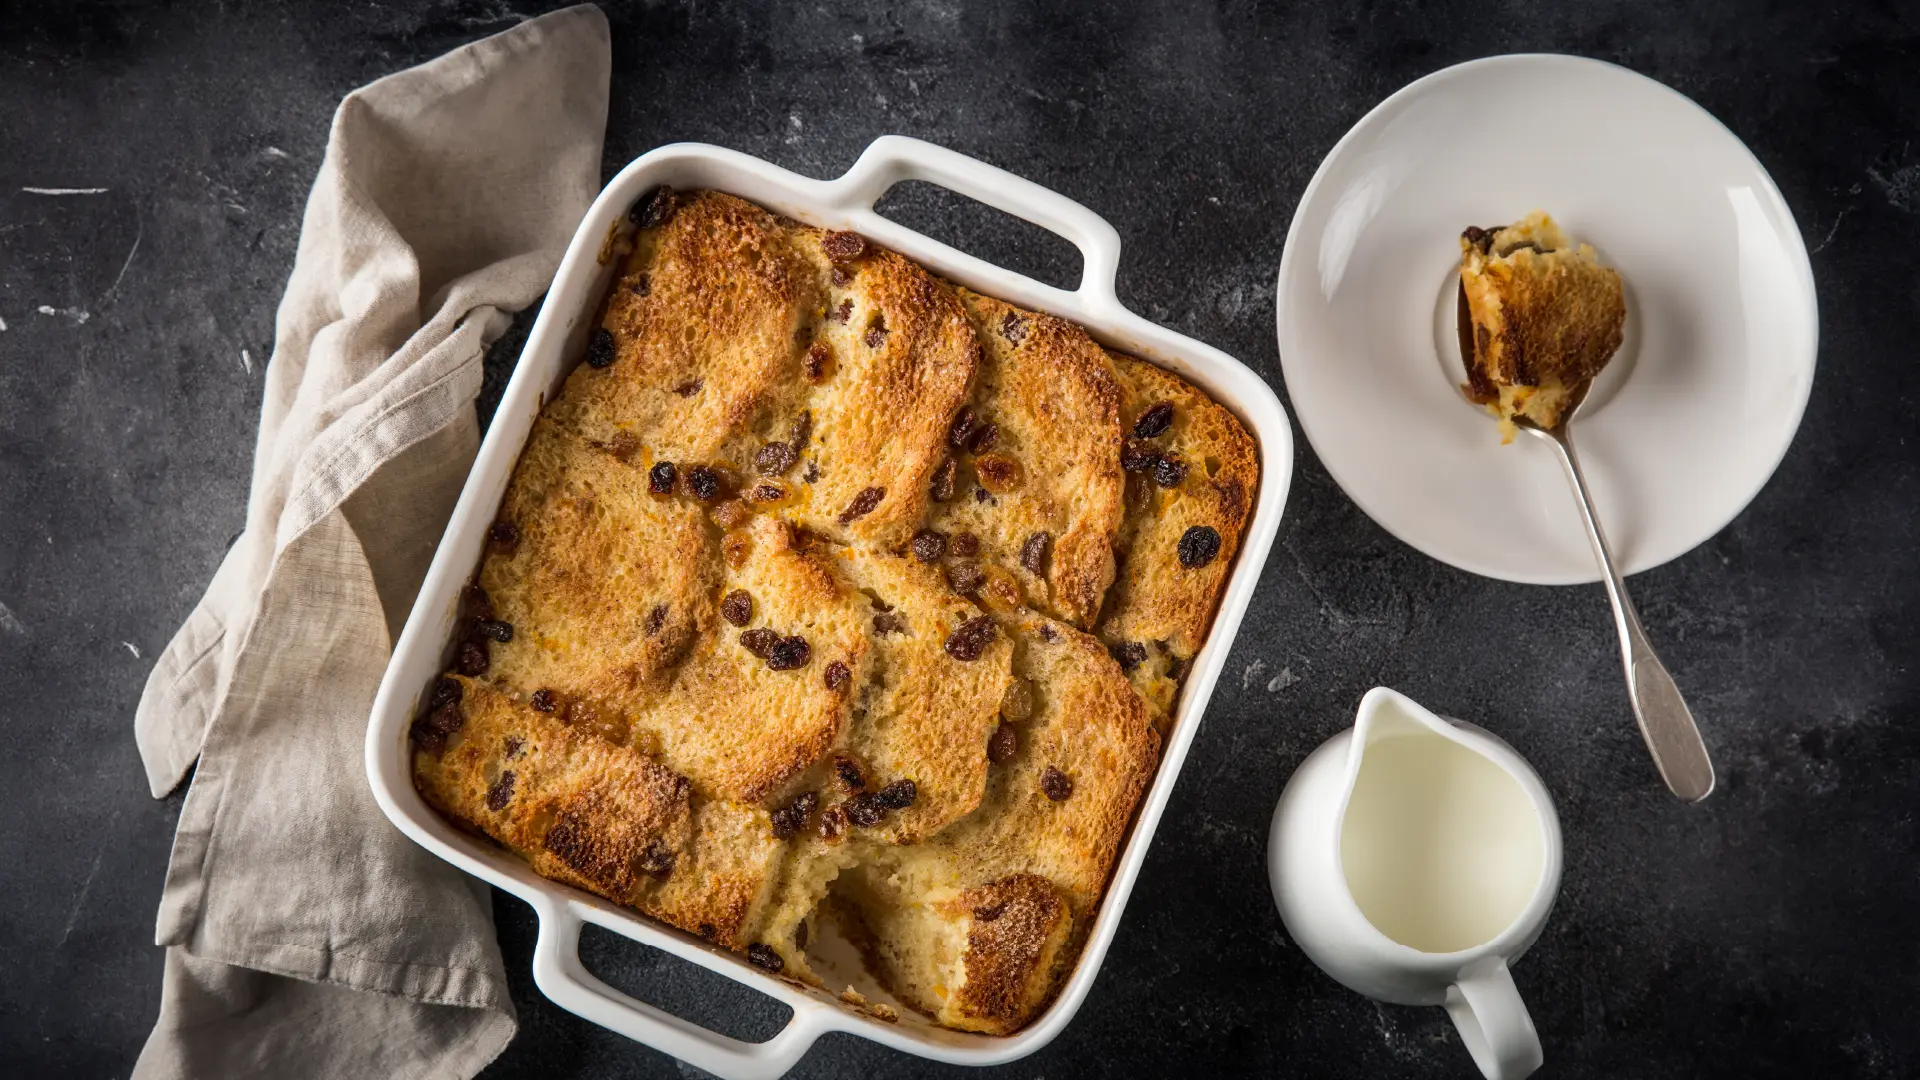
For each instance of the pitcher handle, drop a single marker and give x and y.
(1493, 1021)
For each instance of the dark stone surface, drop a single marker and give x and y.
(1771, 931)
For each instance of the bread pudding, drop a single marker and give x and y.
(1545, 318)
(826, 589)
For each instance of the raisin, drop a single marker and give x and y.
(847, 771)
(473, 659)
(430, 732)
(876, 335)
(660, 478)
(641, 285)
(998, 473)
(966, 545)
(763, 956)
(837, 675)
(503, 537)
(980, 495)
(775, 458)
(865, 811)
(1135, 457)
(1154, 421)
(501, 793)
(737, 607)
(704, 483)
(1056, 784)
(1016, 702)
(983, 438)
(833, 824)
(512, 746)
(898, 795)
(1129, 654)
(801, 431)
(495, 629)
(1048, 634)
(690, 387)
(658, 860)
(789, 653)
(843, 312)
(1003, 745)
(543, 700)
(888, 623)
(656, 618)
(841, 276)
(759, 642)
(475, 603)
(1198, 546)
(928, 545)
(812, 473)
(1013, 327)
(767, 492)
(445, 690)
(1169, 471)
(972, 638)
(962, 428)
(965, 577)
(1034, 553)
(942, 487)
(791, 818)
(600, 348)
(843, 246)
(862, 504)
(819, 357)
(653, 208)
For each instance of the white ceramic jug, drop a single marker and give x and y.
(1414, 858)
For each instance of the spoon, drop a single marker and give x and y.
(1665, 722)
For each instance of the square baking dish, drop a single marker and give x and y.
(553, 347)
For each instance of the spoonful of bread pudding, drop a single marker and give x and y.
(1538, 318)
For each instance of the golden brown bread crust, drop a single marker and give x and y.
(739, 696)
(1546, 318)
(1052, 469)
(600, 816)
(1159, 608)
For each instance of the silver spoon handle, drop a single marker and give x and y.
(1665, 722)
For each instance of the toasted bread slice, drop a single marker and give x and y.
(741, 725)
(604, 817)
(1056, 812)
(1187, 506)
(1037, 479)
(606, 587)
(926, 714)
(891, 359)
(709, 329)
(1546, 318)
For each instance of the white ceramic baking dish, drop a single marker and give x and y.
(556, 344)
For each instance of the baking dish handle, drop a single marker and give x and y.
(893, 158)
(560, 975)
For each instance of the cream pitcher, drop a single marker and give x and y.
(1414, 859)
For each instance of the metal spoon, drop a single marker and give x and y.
(1665, 722)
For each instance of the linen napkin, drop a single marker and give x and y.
(305, 935)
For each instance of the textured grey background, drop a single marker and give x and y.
(1771, 931)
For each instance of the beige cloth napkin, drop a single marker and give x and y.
(305, 936)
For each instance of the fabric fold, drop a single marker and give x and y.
(306, 936)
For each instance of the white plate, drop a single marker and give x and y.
(1688, 421)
